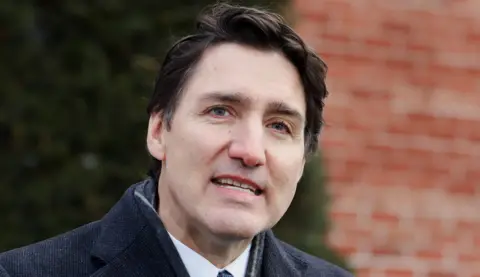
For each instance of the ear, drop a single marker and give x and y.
(155, 136)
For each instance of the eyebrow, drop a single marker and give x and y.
(284, 109)
(275, 107)
(226, 97)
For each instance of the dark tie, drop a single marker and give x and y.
(224, 274)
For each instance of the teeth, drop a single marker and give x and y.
(234, 184)
(237, 188)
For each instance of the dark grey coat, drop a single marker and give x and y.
(125, 244)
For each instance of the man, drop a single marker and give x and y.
(236, 110)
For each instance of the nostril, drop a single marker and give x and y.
(250, 163)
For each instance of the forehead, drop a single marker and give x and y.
(264, 76)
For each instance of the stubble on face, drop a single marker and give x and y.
(240, 105)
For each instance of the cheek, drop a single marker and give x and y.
(286, 172)
(192, 148)
(285, 182)
(288, 163)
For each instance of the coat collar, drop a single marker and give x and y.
(117, 231)
(129, 246)
(277, 262)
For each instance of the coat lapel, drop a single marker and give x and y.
(277, 262)
(129, 246)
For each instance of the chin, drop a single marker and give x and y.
(236, 227)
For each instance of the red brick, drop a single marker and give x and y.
(378, 42)
(382, 144)
(346, 250)
(431, 126)
(420, 158)
(472, 176)
(400, 125)
(400, 64)
(429, 255)
(473, 257)
(424, 79)
(396, 28)
(368, 94)
(396, 166)
(429, 224)
(384, 251)
(441, 241)
(336, 171)
(338, 216)
(424, 178)
(385, 217)
(317, 17)
(476, 240)
(473, 226)
(363, 272)
(455, 79)
(378, 179)
(337, 37)
(399, 273)
(473, 37)
(422, 47)
(465, 187)
(363, 235)
(442, 274)
(348, 57)
(470, 129)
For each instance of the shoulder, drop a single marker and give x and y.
(49, 257)
(315, 266)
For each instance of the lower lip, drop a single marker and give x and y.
(237, 194)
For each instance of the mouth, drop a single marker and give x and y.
(237, 184)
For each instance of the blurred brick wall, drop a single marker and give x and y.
(402, 144)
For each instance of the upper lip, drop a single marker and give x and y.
(240, 179)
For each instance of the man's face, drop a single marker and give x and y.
(239, 122)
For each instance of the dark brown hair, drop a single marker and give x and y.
(257, 28)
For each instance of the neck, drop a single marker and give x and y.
(220, 251)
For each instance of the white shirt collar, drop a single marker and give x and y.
(198, 266)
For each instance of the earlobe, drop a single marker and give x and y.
(155, 140)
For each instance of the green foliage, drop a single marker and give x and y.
(76, 77)
(306, 222)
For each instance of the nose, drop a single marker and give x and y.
(248, 147)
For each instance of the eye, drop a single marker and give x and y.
(280, 127)
(219, 112)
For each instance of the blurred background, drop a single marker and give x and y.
(394, 191)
